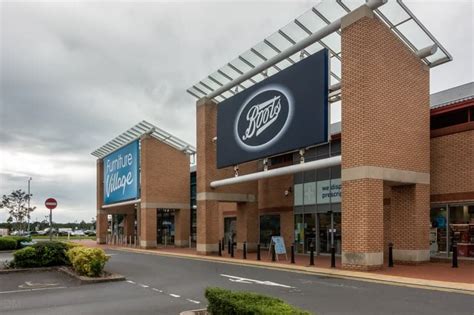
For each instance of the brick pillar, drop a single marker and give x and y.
(207, 227)
(247, 225)
(410, 223)
(129, 226)
(182, 221)
(385, 138)
(148, 228)
(101, 227)
(362, 224)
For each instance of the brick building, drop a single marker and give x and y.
(405, 173)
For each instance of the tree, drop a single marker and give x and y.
(16, 204)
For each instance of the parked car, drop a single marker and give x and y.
(78, 233)
(90, 232)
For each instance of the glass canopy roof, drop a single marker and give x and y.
(394, 14)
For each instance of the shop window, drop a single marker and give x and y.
(298, 195)
(299, 233)
(269, 226)
(309, 193)
(336, 148)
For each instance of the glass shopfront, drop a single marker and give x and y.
(317, 204)
(269, 226)
(452, 223)
(165, 226)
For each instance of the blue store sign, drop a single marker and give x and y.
(121, 177)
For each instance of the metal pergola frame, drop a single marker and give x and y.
(140, 129)
(231, 79)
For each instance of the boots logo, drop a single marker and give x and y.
(263, 118)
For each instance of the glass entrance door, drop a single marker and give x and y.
(329, 232)
(165, 226)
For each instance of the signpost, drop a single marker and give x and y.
(279, 244)
(50, 203)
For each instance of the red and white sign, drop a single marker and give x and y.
(50, 203)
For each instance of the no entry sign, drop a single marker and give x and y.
(50, 203)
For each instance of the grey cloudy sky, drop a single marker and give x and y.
(74, 75)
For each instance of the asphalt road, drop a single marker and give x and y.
(167, 285)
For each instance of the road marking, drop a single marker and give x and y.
(175, 295)
(30, 290)
(193, 301)
(250, 281)
(143, 285)
(157, 290)
(130, 281)
(29, 284)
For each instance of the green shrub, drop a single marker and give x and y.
(7, 243)
(73, 245)
(226, 302)
(43, 254)
(25, 258)
(87, 261)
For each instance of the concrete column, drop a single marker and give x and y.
(182, 223)
(410, 223)
(101, 227)
(148, 228)
(247, 225)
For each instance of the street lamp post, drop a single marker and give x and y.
(29, 197)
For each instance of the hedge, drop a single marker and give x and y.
(17, 239)
(227, 302)
(7, 243)
(43, 254)
(87, 261)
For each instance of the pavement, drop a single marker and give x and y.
(165, 284)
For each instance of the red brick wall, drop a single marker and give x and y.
(452, 164)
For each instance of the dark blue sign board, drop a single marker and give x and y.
(121, 177)
(283, 113)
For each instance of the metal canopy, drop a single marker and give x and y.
(136, 132)
(394, 14)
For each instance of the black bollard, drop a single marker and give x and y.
(292, 254)
(311, 255)
(220, 248)
(258, 251)
(232, 250)
(228, 247)
(273, 252)
(390, 254)
(333, 257)
(245, 250)
(455, 255)
(223, 244)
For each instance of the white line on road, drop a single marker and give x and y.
(30, 290)
(130, 281)
(249, 281)
(193, 301)
(143, 285)
(157, 290)
(175, 295)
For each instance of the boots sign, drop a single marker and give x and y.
(121, 174)
(285, 112)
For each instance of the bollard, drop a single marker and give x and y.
(245, 250)
(333, 257)
(232, 250)
(258, 252)
(273, 252)
(220, 249)
(311, 255)
(455, 255)
(390, 255)
(223, 244)
(229, 245)
(292, 253)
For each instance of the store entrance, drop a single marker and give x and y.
(329, 232)
(165, 226)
